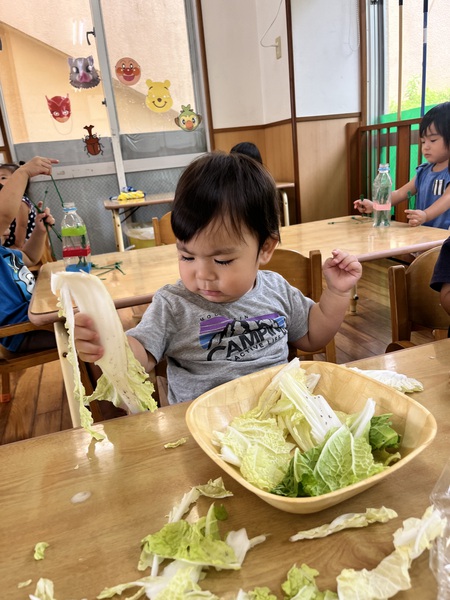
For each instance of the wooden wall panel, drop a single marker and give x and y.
(323, 168)
(226, 139)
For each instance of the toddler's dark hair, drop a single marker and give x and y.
(248, 148)
(230, 188)
(439, 116)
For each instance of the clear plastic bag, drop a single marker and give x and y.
(440, 550)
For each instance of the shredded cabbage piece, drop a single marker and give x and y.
(39, 550)
(347, 521)
(44, 590)
(398, 381)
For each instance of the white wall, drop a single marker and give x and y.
(326, 57)
(248, 85)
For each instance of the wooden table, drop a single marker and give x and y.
(134, 481)
(147, 269)
(357, 235)
(282, 186)
(126, 209)
(143, 272)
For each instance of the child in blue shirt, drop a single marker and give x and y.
(227, 317)
(16, 281)
(432, 179)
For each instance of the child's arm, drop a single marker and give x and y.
(13, 189)
(418, 217)
(445, 297)
(341, 271)
(397, 196)
(89, 348)
(34, 246)
(20, 232)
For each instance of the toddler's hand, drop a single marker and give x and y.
(39, 166)
(416, 217)
(87, 340)
(364, 206)
(342, 271)
(44, 218)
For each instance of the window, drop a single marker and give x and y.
(105, 130)
(395, 50)
(156, 38)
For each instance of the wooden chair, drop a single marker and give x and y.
(163, 230)
(16, 361)
(304, 273)
(414, 305)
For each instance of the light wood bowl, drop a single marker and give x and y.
(345, 390)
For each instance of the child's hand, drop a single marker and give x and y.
(416, 217)
(87, 340)
(39, 166)
(364, 206)
(341, 271)
(44, 218)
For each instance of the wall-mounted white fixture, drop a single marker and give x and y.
(278, 47)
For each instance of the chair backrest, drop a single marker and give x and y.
(414, 304)
(10, 362)
(304, 273)
(163, 230)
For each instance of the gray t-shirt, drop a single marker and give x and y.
(207, 344)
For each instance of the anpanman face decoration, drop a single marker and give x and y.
(128, 71)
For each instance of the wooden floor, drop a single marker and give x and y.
(39, 404)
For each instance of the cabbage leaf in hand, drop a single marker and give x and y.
(124, 381)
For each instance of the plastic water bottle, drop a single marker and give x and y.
(75, 241)
(381, 197)
(440, 550)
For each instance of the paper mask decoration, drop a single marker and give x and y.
(158, 97)
(83, 74)
(59, 107)
(188, 120)
(128, 71)
(91, 141)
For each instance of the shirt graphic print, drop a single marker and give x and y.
(234, 339)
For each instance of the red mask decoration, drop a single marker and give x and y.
(59, 107)
(128, 71)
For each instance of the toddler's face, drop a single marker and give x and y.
(434, 149)
(4, 236)
(221, 267)
(4, 175)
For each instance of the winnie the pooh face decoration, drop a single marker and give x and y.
(158, 97)
(127, 71)
(83, 74)
(59, 107)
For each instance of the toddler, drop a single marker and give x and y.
(431, 182)
(22, 226)
(17, 282)
(225, 317)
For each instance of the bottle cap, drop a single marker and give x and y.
(383, 167)
(68, 205)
